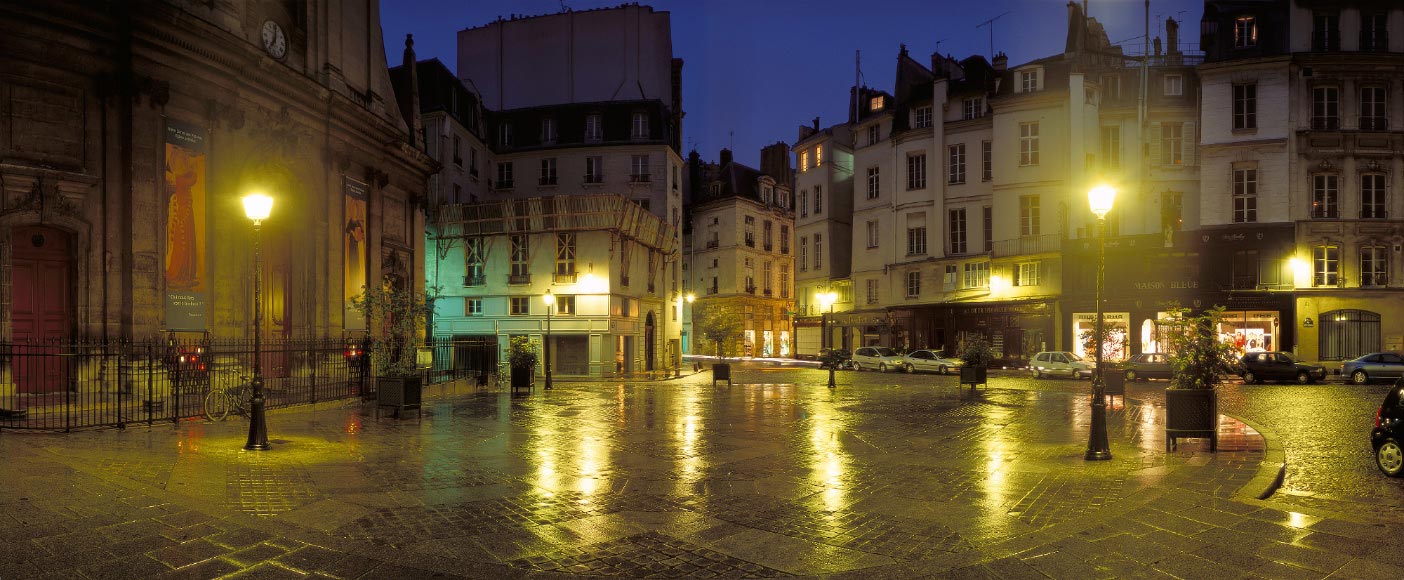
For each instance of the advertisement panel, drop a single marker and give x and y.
(185, 227)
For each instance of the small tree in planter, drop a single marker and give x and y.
(521, 357)
(396, 318)
(1198, 360)
(977, 353)
(723, 326)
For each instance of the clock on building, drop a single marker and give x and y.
(274, 41)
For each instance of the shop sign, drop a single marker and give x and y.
(1091, 317)
(1164, 285)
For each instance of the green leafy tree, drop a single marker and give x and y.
(1197, 356)
(521, 352)
(396, 319)
(722, 325)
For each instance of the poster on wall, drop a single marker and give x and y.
(185, 227)
(354, 233)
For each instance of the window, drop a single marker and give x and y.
(872, 291)
(873, 235)
(1373, 266)
(1326, 266)
(457, 159)
(1372, 196)
(1374, 32)
(957, 163)
(1325, 198)
(1373, 114)
(784, 239)
(767, 194)
(767, 229)
(1171, 211)
(521, 267)
(1245, 106)
(594, 170)
(750, 231)
(818, 199)
(626, 251)
(803, 257)
(1028, 215)
(1111, 146)
(1028, 81)
(875, 104)
(804, 161)
(1026, 274)
(977, 275)
(804, 203)
(784, 280)
(874, 134)
(1245, 32)
(1245, 270)
(504, 175)
(818, 251)
(457, 193)
(565, 305)
(957, 231)
(818, 155)
(639, 128)
(473, 162)
(1174, 85)
(1325, 108)
(916, 241)
(1111, 86)
(766, 288)
(1245, 195)
(1346, 334)
(638, 172)
(565, 257)
(1172, 143)
(1028, 143)
(473, 306)
(873, 182)
(921, 117)
(675, 178)
(548, 171)
(1325, 32)
(474, 259)
(988, 214)
(548, 130)
(504, 134)
(949, 281)
(594, 128)
(986, 161)
(520, 305)
(916, 171)
(974, 108)
(913, 284)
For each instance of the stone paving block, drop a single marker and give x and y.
(138, 567)
(1191, 566)
(268, 572)
(1304, 557)
(1276, 532)
(1370, 569)
(325, 515)
(1348, 529)
(184, 519)
(1143, 550)
(1231, 556)
(332, 563)
(1340, 544)
(194, 532)
(1170, 522)
(141, 545)
(1280, 571)
(1227, 537)
(1012, 568)
(255, 554)
(191, 552)
(239, 538)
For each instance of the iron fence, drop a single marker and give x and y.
(71, 385)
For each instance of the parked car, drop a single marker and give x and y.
(835, 357)
(930, 361)
(1388, 435)
(1054, 363)
(1147, 365)
(876, 357)
(1278, 366)
(1374, 366)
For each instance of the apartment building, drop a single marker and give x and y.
(823, 228)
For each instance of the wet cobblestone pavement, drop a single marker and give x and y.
(890, 476)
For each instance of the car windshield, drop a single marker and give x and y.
(1072, 357)
(1285, 358)
(886, 352)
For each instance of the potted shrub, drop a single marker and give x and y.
(1198, 361)
(977, 353)
(723, 326)
(396, 317)
(521, 357)
(1113, 382)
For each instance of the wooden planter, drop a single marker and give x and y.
(1113, 381)
(1191, 413)
(398, 392)
(721, 372)
(523, 377)
(973, 375)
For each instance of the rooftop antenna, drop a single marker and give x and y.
(990, 23)
(938, 45)
(564, 8)
(857, 81)
(731, 139)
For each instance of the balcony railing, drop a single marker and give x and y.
(503, 184)
(1374, 124)
(1325, 213)
(597, 178)
(767, 292)
(519, 278)
(546, 180)
(712, 290)
(1375, 279)
(750, 289)
(1027, 245)
(475, 280)
(1374, 40)
(712, 244)
(1326, 123)
(1374, 214)
(639, 178)
(566, 278)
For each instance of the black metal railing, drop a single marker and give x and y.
(1374, 123)
(475, 280)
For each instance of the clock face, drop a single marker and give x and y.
(273, 40)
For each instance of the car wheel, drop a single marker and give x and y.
(1359, 377)
(882, 367)
(1390, 458)
(1038, 374)
(1131, 376)
(1250, 378)
(1303, 378)
(941, 369)
(857, 366)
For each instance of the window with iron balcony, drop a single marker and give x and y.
(1374, 32)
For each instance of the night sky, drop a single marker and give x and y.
(762, 68)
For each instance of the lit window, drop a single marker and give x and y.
(1326, 266)
(875, 104)
(818, 155)
(1245, 195)
(565, 305)
(1028, 215)
(1026, 274)
(913, 284)
(977, 275)
(1325, 196)
(1245, 32)
(804, 161)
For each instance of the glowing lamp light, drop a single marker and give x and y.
(257, 206)
(827, 299)
(549, 298)
(691, 297)
(1100, 199)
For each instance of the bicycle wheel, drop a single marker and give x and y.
(216, 406)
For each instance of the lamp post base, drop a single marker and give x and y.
(1097, 447)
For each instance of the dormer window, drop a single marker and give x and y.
(716, 190)
(594, 128)
(640, 126)
(504, 134)
(767, 194)
(1245, 32)
(875, 104)
(921, 117)
(974, 108)
(1174, 85)
(548, 130)
(1028, 80)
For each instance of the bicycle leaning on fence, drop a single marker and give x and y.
(224, 399)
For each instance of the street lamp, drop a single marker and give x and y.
(257, 206)
(550, 301)
(826, 301)
(1099, 199)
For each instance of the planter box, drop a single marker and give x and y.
(523, 378)
(1113, 381)
(1191, 413)
(974, 375)
(398, 392)
(721, 371)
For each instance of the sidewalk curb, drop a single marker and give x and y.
(1273, 470)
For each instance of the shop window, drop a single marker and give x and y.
(1347, 334)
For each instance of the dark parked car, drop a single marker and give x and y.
(835, 357)
(1374, 366)
(1278, 366)
(1388, 435)
(1147, 365)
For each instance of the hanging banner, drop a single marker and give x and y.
(354, 273)
(185, 227)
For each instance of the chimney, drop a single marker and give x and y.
(1157, 46)
(416, 125)
(1172, 36)
(775, 162)
(816, 123)
(725, 157)
(1000, 63)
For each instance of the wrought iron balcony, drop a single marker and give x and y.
(519, 278)
(567, 278)
(475, 280)
(1027, 245)
(750, 289)
(1374, 123)
(1326, 123)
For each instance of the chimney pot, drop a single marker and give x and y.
(725, 157)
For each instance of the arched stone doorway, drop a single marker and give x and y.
(41, 303)
(649, 346)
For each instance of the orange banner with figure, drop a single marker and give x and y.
(185, 227)
(354, 232)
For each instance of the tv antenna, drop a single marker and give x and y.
(990, 23)
(938, 44)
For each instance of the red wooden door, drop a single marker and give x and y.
(40, 306)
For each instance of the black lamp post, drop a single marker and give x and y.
(828, 298)
(550, 305)
(257, 206)
(1100, 199)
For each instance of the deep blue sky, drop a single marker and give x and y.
(761, 68)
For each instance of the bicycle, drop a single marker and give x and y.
(222, 400)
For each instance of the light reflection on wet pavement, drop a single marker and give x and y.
(893, 477)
